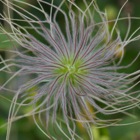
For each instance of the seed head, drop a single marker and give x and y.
(71, 65)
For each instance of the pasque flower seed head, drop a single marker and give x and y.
(68, 65)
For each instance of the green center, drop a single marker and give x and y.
(71, 68)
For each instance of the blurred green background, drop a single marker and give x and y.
(25, 129)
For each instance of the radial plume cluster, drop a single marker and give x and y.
(64, 63)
